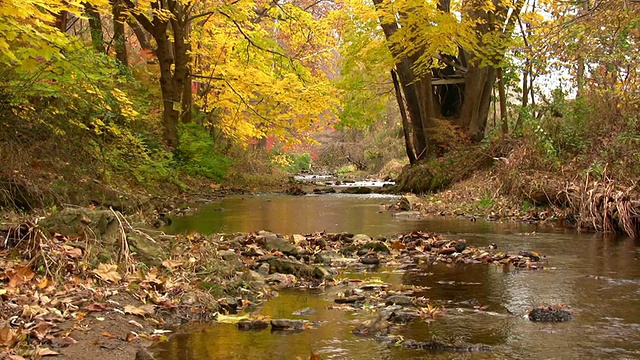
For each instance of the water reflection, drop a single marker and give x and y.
(597, 276)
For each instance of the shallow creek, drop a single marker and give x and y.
(597, 276)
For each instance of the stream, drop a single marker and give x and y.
(597, 276)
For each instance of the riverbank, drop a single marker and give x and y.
(86, 283)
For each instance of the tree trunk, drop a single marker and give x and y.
(477, 100)
(170, 94)
(141, 35)
(405, 121)
(503, 104)
(182, 78)
(119, 40)
(95, 26)
(61, 21)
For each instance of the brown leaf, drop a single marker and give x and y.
(130, 336)
(170, 264)
(72, 252)
(108, 335)
(140, 311)
(19, 276)
(96, 307)
(8, 336)
(108, 273)
(42, 283)
(397, 245)
(39, 352)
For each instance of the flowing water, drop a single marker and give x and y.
(597, 276)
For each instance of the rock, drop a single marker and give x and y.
(530, 254)
(295, 190)
(272, 242)
(264, 269)
(326, 257)
(555, 313)
(73, 222)
(228, 255)
(408, 215)
(304, 312)
(288, 325)
(377, 246)
(378, 326)
(324, 190)
(143, 354)
(401, 300)
(434, 345)
(286, 266)
(147, 250)
(254, 324)
(349, 299)
(356, 190)
(460, 245)
(360, 239)
(402, 317)
(446, 251)
(409, 203)
(370, 259)
(298, 239)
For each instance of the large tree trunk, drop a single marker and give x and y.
(119, 40)
(174, 61)
(170, 94)
(477, 100)
(95, 26)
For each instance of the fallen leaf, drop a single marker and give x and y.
(8, 336)
(44, 352)
(108, 335)
(170, 264)
(141, 310)
(19, 276)
(130, 336)
(95, 307)
(135, 323)
(230, 319)
(108, 272)
(72, 252)
(42, 283)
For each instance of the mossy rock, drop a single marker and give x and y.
(377, 246)
(147, 251)
(73, 222)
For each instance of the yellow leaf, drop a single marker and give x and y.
(108, 273)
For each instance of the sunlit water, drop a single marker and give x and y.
(597, 276)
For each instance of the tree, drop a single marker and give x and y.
(447, 55)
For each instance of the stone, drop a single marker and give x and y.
(550, 314)
(408, 215)
(360, 190)
(254, 324)
(304, 312)
(401, 300)
(360, 239)
(147, 250)
(272, 242)
(288, 325)
(288, 266)
(409, 203)
(460, 245)
(349, 299)
(73, 221)
(377, 246)
(264, 269)
(228, 255)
